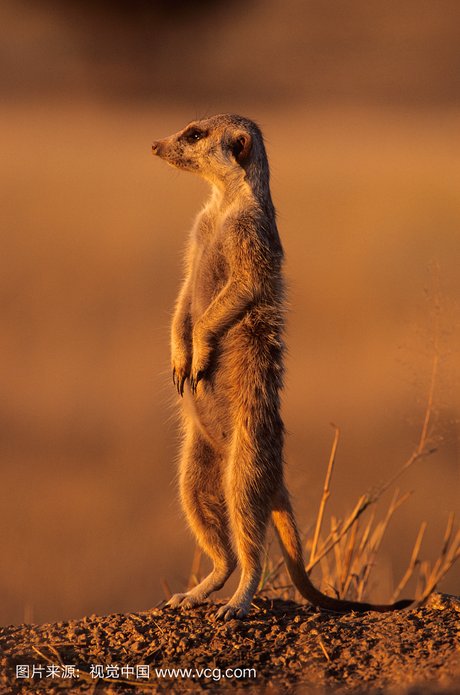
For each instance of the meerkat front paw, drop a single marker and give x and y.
(200, 362)
(195, 377)
(197, 373)
(180, 370)
(179, 377)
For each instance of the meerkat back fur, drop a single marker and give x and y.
(227, 363)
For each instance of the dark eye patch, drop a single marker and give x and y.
(194, 134)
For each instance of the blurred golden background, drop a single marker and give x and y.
(360, 105)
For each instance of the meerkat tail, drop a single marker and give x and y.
(286, 529)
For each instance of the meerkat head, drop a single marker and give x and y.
(220, 148)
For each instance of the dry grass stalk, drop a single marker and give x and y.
(413, 563)
(323, 649)
(266, 569)
(366, 558)
(325, 495)
(355, 553)
(450, 553)
(271, 573)
(340, 530)
(346, 575)
(337, 554)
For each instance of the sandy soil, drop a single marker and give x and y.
(292, 647)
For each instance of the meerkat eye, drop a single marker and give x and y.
(194, 135)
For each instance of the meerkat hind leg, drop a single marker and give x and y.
(203, 502)
(249, 513)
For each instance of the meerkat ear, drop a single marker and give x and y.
(241, 146)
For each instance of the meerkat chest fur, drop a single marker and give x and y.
(212, 239)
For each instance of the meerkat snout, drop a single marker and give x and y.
(156, 147)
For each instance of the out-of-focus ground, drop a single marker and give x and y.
(361, 115)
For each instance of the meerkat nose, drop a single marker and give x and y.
(156, 147)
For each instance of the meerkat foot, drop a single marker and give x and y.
(232, 611)
(202, 591)
(240, 603)
(187, 600)
(175, 600)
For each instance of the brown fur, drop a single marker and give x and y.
(227, 361)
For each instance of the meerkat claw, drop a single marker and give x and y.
(176, 600)
(179, 381)
(194, 381)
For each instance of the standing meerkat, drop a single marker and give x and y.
(227, 364)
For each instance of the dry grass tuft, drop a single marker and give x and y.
(348, 552)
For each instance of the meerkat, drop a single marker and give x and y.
(227, 350)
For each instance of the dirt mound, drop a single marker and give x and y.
(282, 647)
